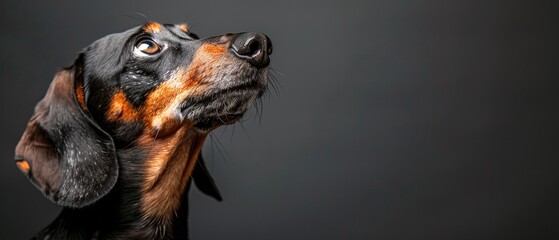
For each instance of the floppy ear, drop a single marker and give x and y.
(63, 152)
(203, 180)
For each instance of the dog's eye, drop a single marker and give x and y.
(147, 46)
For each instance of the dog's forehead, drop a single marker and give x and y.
(152, 28)
(112, 41)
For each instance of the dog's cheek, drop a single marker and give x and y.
(120, 109)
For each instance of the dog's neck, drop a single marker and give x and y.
(150, 198)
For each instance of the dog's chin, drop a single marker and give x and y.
(208, 120)
(222, 107)
(210, 123)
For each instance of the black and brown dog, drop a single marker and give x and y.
(118, 135)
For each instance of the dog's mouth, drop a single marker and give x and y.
(223, 106)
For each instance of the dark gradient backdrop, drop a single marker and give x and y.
(396, 119)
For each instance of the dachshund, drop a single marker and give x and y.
(118, 135)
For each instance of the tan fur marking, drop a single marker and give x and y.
(80, 96)
(120, 109)
(23, 166)
(152, 27)
(184, 27)
(168, 169)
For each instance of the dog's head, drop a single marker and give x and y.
(154, 81)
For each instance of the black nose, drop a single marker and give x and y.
(255, 48)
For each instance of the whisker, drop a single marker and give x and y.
(244, 129)
(275, 81)
(140, 17)
(232, 132)
(261, 106)
(220, 149)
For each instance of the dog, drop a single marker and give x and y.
(118, 135)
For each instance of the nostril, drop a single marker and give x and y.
(254, 47)
(250, 47)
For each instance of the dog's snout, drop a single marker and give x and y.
(255, 48)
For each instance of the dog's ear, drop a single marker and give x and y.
(63, 152)
(204, 181)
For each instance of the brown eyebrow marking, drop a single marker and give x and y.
(152, 27)
(184, 27)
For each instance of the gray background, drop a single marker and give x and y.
(395, 120)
